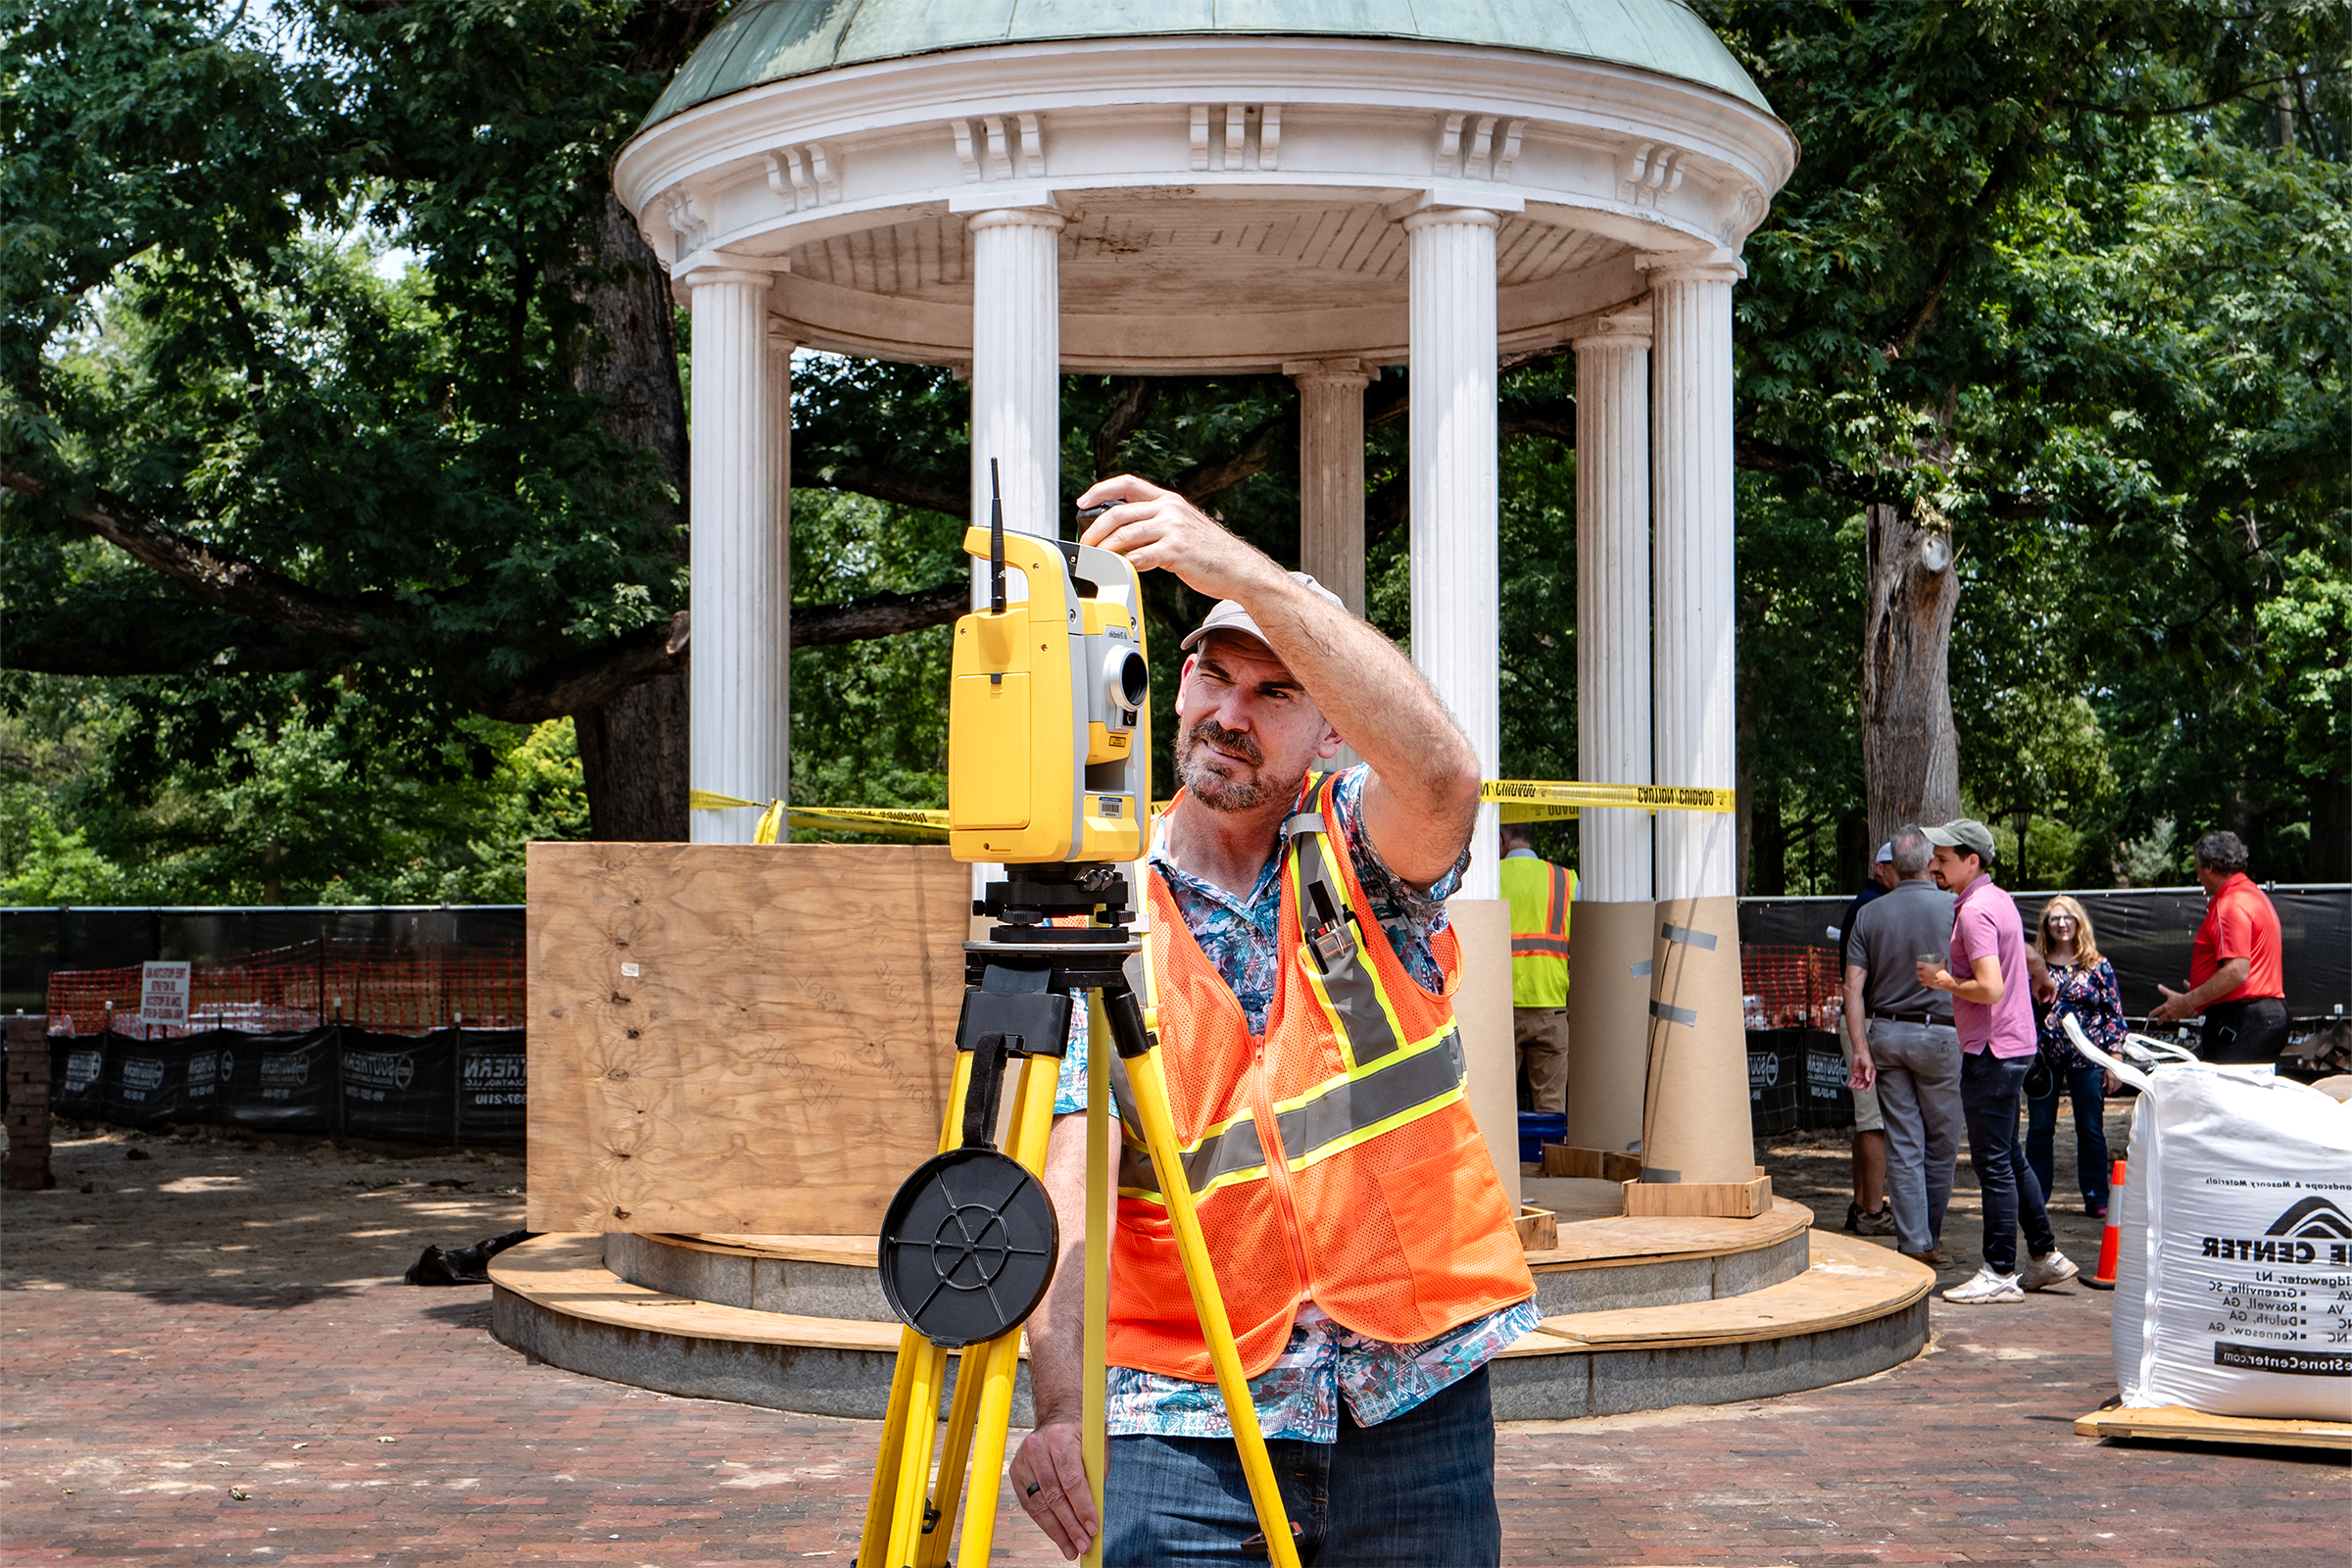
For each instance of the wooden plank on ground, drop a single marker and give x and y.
(566, 1274)
(1610, 1242)
(2174, 1423)
(737, 1038)
(1851, 1281)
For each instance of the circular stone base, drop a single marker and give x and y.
(1700, 1312)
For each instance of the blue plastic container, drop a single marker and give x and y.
(1538, 1128)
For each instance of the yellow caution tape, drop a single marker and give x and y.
(891, 821)
(1521, 801)
(1638, 797)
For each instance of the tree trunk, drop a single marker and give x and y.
(634, 748)
(1767, 845)
(1910, 751)
(632, 760)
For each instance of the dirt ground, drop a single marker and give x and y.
(210, 1211)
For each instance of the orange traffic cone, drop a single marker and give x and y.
(2111, 1243)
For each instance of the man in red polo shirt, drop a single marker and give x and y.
(2234, 977)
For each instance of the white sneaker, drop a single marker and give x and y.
(2052, 1268)
(1989, 1288)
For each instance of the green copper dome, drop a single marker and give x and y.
(770, 40)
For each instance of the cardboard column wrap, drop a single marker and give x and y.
(1482, 1011)
(1611, 946)
(1695, 1116)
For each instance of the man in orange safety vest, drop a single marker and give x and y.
(1306, 971)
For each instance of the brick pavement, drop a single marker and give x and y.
(383, 1425)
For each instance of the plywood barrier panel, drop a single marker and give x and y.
(737, 1038)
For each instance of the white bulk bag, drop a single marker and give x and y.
(2234, 1279)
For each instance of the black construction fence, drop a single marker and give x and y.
(451, 1087)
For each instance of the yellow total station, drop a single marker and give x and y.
(1045, 704)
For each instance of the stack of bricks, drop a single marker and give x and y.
(26, 1169)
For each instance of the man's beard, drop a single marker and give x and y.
(1215, 790)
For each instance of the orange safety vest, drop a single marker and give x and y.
(1380, 1202)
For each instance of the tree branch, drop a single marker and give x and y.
(899, 489)
(1205, 479)
(2240, 91)
(213, 575)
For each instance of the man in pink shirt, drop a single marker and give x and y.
(1992, 1008)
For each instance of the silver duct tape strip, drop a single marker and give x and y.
(1683, 1016)
(1688, 937)
(1661, 1174)
(1639, 970)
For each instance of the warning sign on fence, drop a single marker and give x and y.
(164, 993)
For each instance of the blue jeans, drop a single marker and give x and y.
(1416, 1489)
(1990, 1089)
(2087, 1084)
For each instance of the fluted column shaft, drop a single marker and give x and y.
(1612, 601)
(1694, 716)
(740, 561)
(779, 403)
(1016, 368)
(1331, 475)
(1455, 486)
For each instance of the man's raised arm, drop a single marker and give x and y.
(1423, 796)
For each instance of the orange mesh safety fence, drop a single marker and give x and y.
(368, 984)
(1789, 987)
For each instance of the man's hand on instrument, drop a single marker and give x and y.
(1048, 1476)
(1159, 529)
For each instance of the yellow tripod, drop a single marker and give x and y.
(960, 1242)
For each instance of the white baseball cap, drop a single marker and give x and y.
(1227, 614)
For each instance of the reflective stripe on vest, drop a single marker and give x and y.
(1390, 1081)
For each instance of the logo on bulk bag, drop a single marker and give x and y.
(2313, 1216)
(2312, 1230)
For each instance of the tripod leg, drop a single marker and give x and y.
(1150, 1093)
(1093, 1442)
(881, 1498)
(975, 1365)
(1033, 1125)
(914, 1460)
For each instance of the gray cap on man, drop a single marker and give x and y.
(1964, 833)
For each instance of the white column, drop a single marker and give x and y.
(1016, 383)
(780, 345)
(1330, 473)
(1691, 568)
(1455, 490)
(740, 596)
(1612, 601)
(1016, 368)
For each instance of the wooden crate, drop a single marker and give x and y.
(737, 1038)
(1590, 1164)
(1716, 1199)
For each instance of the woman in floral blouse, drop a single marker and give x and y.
(2082, 985)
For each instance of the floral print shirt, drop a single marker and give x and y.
(1298, 1396)
(2094, 1000)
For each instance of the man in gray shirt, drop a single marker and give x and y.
(1904, 1045)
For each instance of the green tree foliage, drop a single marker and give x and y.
(312, 480)
(2073, 277)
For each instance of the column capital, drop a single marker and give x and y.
(1710, 267)
(1045, 217)
(785, 334)
(1627, 329)
(1450, 217)
(1329, 373)
(710, 266)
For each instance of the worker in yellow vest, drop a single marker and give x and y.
(1540, 893)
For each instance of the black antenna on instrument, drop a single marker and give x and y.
(996, 542)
